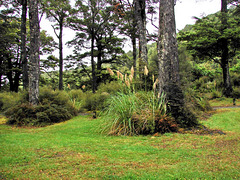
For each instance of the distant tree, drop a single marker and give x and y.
(34, 52)
(215, 38)
(10, 49)
(58, 11)
(96, 32)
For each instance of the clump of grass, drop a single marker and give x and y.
(133, 113)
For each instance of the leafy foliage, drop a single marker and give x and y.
(53, 107)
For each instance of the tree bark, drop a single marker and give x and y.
(34, 52)
(169, 66)
(23, 45)
(140, 15)
(94, 81)
(225, 52)
(167, 45)
(60, 56)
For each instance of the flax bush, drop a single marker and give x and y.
(133, 113)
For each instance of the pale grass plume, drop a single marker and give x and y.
(69, 87)
(145, 71)
(132, 71)
(110, 71)
(155, 84)
(118, 74)
(127, 83)
(125, 77)
(130, 78)
(121, 76)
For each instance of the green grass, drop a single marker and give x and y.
(224, 102)
(76, 150)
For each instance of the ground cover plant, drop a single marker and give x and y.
(75, 149)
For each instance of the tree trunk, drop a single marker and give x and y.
(34, 52)
(140, 15)
(60, 56)
(23, 45)
(134, 52)
(167, 45)
(225, 51)
(169, 65)
(94, 81)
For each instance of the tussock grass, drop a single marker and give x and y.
(76, 150)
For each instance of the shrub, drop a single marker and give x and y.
(8, 99)
(54, 106)
(112, 87)
(215, 94)
(236, 93)
(94, 101)
(77, 97)
(133, 113)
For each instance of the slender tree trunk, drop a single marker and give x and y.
(134, 46)
(23, 45)
(60, 56)
(169, 65)
(140, 15)
(34, 52)
(225, 51)
(94, 82)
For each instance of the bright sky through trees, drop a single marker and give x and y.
(185, 10)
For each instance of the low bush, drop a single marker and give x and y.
(134, 114)
(112, 87)
(53, 107)
(95, 101)
(8, 99)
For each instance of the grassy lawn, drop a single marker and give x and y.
(76, 150)
(224, 102)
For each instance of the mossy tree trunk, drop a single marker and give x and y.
(34, 52)
(169, 65)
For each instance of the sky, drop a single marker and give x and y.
(185, 10)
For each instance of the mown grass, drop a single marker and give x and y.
(76, 150)
(224, 102)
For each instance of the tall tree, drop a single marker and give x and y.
(169, 65)
(225, 51)
(215, 38)
(58, 11)
(23, 44)
(34, 52)
(9, 48)
(96, 31)
(140, 15)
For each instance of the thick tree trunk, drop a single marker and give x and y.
(224, 59)
(34, 52)
(23, 45)
(140, 15)
(169, 65)
(60, 56)
(167, 45)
